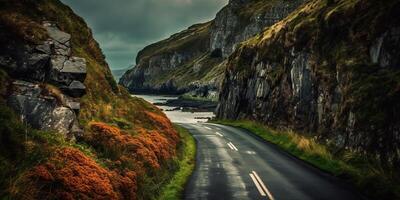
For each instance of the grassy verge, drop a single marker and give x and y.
(187, 152)
(365, 173)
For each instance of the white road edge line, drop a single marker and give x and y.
(257, 185)
(234, 146)
(263, 186)
(219, 134)
(229, 144)
(207, 127)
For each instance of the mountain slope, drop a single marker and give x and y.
(330, 69)
(193, 60)
(113, 146)
(155, 62)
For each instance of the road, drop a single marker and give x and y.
(232, 163)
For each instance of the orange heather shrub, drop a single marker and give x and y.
(163, 124)
(148, 148)
(69, 174)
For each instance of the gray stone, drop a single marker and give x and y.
(62, 49)
(59, 119)
(74, 105)
(43, 113)
(75, 89)
(44, 48)
(75, 65)
(56, 34)
(65, 71)
(27, 88)
(57, 62)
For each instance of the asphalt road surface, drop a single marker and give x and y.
(232, 163)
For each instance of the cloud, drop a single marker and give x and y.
(123, 27)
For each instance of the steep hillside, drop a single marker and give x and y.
(158, 63)
(193, 60)
(67, 131)
(330, 69)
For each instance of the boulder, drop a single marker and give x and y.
(26, 88)
(75, 89)
(45, 47)
(56, 34)
(62, 49)
(64, 71)
(39, 111)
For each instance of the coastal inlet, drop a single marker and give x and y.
(180, 110)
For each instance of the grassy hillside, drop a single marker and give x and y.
(194, 43)
(129, 146)
(195, 36)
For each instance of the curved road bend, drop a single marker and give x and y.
(235, 164)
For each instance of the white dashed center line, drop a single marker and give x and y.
(260, 190)
(232, 146)
(260, 185)
(207, 128)
(219, 134)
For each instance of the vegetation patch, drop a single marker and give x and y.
(186, 163)
(364, 172)
(128, 150)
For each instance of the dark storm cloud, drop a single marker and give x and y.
(123, 27)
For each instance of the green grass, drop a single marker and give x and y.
(173, 190)
(365, 173)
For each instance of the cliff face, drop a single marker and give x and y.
(240, 20)
(47, 80)
(326, 69)
(193, 60)
(67, 131)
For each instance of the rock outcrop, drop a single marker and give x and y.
(240, 20)
(192, 61)
(325, 70)
(48, 81)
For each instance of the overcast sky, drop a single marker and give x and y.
(124, 27)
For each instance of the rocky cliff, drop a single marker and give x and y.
(330, 69)
(67, 131)
(193, 60)
(47, 80)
